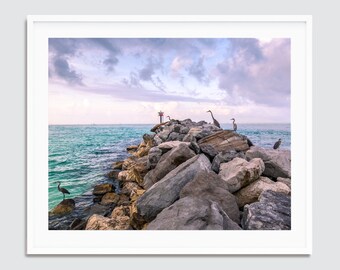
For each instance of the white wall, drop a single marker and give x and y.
(12, 113)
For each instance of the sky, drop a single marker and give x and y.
(128, 80)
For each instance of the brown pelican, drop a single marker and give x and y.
(216, 123)
(63, 190)
(234, 124)
(277, 144)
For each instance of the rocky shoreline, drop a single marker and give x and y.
(188, 176)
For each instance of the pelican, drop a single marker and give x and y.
(234, 124)
(63, 190)
(216, 123)
(277, 144)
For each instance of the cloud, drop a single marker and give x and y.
(63, 70)
(112, 50)
(198, 71)
(256, 72)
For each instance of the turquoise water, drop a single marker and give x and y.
(80, 156)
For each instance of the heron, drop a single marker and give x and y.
(216, 123)
(62, 190)
(234, 124)
(277, 144)
(169, 118)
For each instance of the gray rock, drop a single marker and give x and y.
(250, 193)
(239, 173)
(209, 151)
(286, 181)
(208, 185)
(153, 157)
(167, 146)
(174, 136)
(277, 162)
(192, 213)
(157, 140)
(224, 157)
(177, 128)
(272, 212)
(195, 147)
(167, 163)
(192, 134)
(167, 190)
(184, 130)
(163, 135)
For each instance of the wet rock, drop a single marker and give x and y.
(277, 162)
(98, 209)
(167, 163)
(132, 148)
(224, 157)
(113, 174)
(101, 189)
(239, 173)
(250, 193)
(123, 200)
(208, 185)
(225, 140)
(272, 212)
(110, 198)
(78, 224)
(117, 165)
(129, 187)
(167, 190)
(63, 208)
(192, 213)
(145, 146)
(129, 162)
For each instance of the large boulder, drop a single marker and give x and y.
(209, 151)
(225, 140)
(63, 208)
(208, 185)
(286, 181)
(277, 162)
(250, 193)
(193, 213)
(167, 163)
(239, 173)
(153, 157)
(272, 212)
(192, 134)
(167, 146)
(167, 190)
(224, 157)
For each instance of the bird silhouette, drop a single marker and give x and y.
(63, 190)
(216, 123)
(277, 144)
(234, 124)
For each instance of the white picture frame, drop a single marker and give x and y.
(40, 240)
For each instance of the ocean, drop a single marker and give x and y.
(81, 155)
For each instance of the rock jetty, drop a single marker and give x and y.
(192, 176)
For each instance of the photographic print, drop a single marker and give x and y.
(169, 133)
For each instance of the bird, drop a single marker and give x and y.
(277, 144)
(169, 118)
(216, 123)
(63, 190)
(234, 124)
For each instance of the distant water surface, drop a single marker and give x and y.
(81, 155)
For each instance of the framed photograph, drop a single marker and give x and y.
(169, 135)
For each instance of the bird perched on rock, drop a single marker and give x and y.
(277, 144)
(234, 124)
(63, 190)
(216, 123)
(169, 118)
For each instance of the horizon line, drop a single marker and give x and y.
(106, 124)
